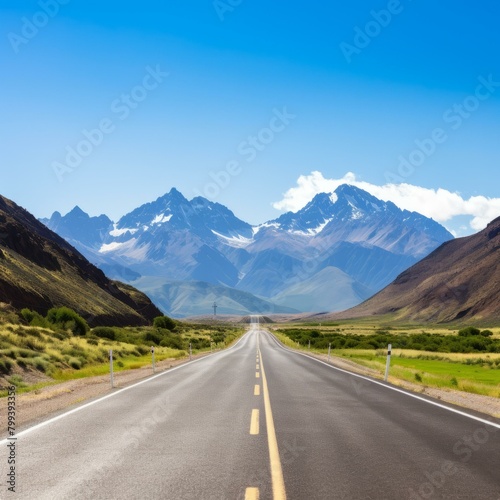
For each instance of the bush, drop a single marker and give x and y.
(469, 332)
(153, 337)
(33, 318)
(66, 318)
(27, 315)
(104, 332)
(40, 364)
(172, 341)
(164, 322)
(75, 363)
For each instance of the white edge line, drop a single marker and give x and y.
(453, 410)
(86, 405)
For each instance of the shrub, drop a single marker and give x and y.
(164, 322)
(40, 364)
(418, 378)
(142, 350)
(66, 318)
(75, 363)
(469, 332)
(153, 337)
(172, 341)
(104, 332)
(33, 318)
(27, 315)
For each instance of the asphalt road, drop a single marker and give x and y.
(257, 421)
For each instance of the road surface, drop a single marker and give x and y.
(257, 421)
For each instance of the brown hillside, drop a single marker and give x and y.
(458, 281)
(40, 270)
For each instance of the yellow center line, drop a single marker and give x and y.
(257, 375)
(254, 423)
(278, 481)
(252, 494)
(256, 391)
(257, 367)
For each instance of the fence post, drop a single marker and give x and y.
(388, 362)
(111, 366)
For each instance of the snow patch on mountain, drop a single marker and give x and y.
(234, 241)
(120, 232)
(110, 247)
(162, 218)
(129, 249)
(315, 230)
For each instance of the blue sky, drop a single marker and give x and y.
(257, 98)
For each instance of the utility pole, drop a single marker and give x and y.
(215, 309)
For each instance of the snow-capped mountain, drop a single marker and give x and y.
(348, 233)
(173, 212)
(77, 226)
(353, 215)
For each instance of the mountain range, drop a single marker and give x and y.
(459, 281)
(337, 251)
(40, 270)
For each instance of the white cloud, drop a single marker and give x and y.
(440, 204)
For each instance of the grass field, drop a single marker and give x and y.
(477, 373)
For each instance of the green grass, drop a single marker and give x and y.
(476, 378)
(477, 373)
